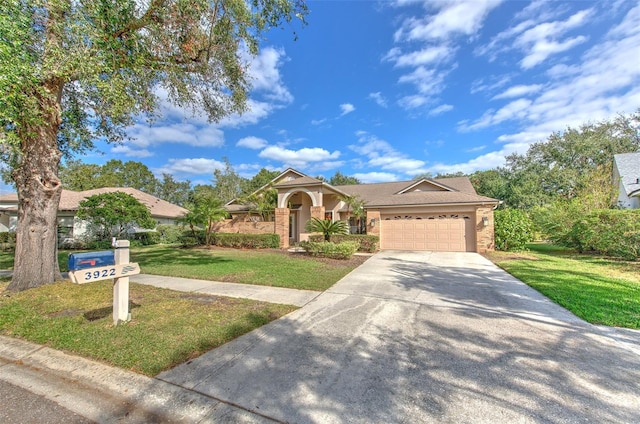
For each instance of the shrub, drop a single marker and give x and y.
(513, 229)
(246, 241)
(169, 234)
(147, 238)
(610, 232)
(367, 242)
(6, 237)
(328, 249)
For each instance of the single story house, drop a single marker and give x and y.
(444, 214)
(626, 179)
(70, 227)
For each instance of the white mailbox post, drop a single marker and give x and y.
(115, 265)
(121, 284)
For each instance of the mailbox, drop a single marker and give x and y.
(79, 261)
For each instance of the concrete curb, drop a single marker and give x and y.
(107, 394)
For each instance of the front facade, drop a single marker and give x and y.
(70, 227)
(626, 179)
(439, 215)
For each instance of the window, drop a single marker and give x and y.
(329, 215)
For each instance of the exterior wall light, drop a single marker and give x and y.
(373, 222)
(485, 221)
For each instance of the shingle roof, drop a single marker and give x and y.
(628, 165)
(69, 201)
(389, 194)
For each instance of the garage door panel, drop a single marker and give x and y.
(437, 234)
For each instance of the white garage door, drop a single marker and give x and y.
(443, 233)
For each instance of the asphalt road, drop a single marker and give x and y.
(20, 406)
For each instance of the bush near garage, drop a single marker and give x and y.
(513, 229)
(610, 232)
(329, 249)
(368, 243)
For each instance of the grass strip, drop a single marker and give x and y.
(167, 327)
(599, 290)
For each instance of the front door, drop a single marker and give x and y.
(293, 229)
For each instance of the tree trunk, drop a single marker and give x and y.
(39, 190)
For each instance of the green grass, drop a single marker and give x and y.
(267, 268)
(599, 290)
(260, 267)
(167, 327)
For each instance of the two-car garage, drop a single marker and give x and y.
(445, 232)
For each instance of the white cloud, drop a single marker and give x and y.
(318, 121)
(145, 136)
(376, 177)
(251, 142)
(518, 91)
(440, 110)
(298, 159)
(542, 49)
(517, 109)
(264, 71)
(428, 82)
(378, 98)
(539, 35)
(426, 56)
(346, 108)
(192, 166)
(381, 154)
(453, 18)
(127, 151)
(603, 82)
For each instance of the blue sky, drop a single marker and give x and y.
(384, 91)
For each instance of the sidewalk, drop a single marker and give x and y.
(247, 291)
(106, 394)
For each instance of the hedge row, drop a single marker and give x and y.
(367, 243)
(611, 232)
(329, 249)
(237, 240)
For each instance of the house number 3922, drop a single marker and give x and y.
(105, 273)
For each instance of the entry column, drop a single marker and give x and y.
(282, 226)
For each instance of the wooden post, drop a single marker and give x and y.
(121, 285)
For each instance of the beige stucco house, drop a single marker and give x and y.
(429, 214)
(70, 227)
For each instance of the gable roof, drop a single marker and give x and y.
(628, 166)
(70, 200)
(402, 193)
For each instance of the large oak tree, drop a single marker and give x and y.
(75, 71)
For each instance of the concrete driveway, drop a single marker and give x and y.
(424, 337)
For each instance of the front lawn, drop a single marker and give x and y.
(167, 327)
(599, 290)
(261, 267)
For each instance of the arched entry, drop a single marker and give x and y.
(300, 203)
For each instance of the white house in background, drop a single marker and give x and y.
(71, 227)
(626, 179)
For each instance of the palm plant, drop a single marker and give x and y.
(327, 227)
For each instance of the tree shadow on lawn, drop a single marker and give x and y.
(360, 359)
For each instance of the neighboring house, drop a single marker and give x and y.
(626, 179)
(429, 214)
(70, 227)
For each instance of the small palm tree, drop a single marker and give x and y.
(327, 227)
